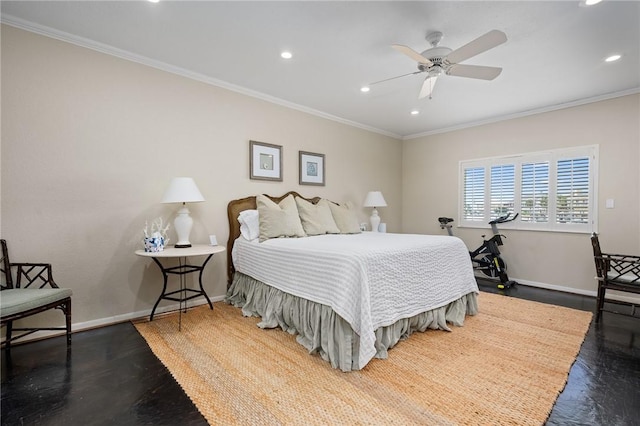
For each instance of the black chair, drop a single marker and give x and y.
(33, 291)
(618, 272)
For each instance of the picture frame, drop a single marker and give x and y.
(265, 161)
(312, 168)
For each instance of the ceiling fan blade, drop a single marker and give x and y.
(427, 87)
(483, 43)
(474, 71)
(393, 78)
(412, 54)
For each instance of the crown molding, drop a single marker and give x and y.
(163, 66)
(526, 113)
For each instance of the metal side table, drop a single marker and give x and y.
(182, 269)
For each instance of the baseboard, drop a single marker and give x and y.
(611, 294)
(102, 322)
(555, 287)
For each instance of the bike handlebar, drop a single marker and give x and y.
(444, 221)
(504, 219)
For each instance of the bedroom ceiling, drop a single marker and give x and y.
(554, 55)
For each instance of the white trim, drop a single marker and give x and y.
(103, 322)
(521, 114)
(163, 66)
(123, 54)
(622, 297)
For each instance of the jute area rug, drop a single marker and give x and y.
(506, 366)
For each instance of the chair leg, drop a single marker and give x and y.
(67, 313)
(600, 301)
(7, 341)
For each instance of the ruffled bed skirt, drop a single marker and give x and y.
(322, 331)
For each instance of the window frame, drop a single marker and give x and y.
(552, 157)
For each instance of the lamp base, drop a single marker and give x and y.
(375, 220)
(182, 224)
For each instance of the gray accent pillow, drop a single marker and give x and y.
(316, 218)
(278, 220)
(345, 217)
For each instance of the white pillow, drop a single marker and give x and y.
(278, 220)
(316, 218)
(345, 217)
(249, 224)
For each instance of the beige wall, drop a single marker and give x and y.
(90, 142)
(430, 186)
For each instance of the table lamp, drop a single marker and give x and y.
(182, 190)
(375, 199)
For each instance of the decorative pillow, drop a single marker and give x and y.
(249, 224)
(316, 218)
(278, 220)
(345, 217)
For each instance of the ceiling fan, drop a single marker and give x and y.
(442, 60)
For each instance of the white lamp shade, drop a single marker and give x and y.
(182, 190)
(375, 199)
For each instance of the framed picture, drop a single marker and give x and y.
(265, 161)
(311, 168)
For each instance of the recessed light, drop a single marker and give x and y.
(365, 89)
(613, 58)
(286, 55)
(415, 112)
(153, 1)
(591, 2)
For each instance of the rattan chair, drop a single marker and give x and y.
(32, 292)
(618, 272)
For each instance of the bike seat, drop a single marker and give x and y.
(444, 220)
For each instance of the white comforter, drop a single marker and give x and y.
(370, 279)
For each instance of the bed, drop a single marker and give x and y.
(348, 297)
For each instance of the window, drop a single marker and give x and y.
(502, 190)
(534, 192)
(474, 193)
(572, 193)
(552, 191)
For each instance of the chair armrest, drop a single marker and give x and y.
(34, 274)
(622, 268)
(626, 257)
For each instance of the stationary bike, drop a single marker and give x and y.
(486, 258)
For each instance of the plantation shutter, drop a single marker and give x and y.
(551, 190)
(474, 194)
(534, 193)
(502, 190)
(572, 191)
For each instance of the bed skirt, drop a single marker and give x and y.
(320, 330)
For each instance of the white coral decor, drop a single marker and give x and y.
(155, 238)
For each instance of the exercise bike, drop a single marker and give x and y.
(486, 258)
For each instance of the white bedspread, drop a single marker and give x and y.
(370, 279)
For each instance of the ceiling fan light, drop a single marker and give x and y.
(435, 71)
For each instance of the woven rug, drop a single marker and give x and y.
(506, 366)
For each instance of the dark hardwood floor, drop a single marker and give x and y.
(108, 377)
(111, 377)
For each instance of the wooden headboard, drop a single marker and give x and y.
(233, 210)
